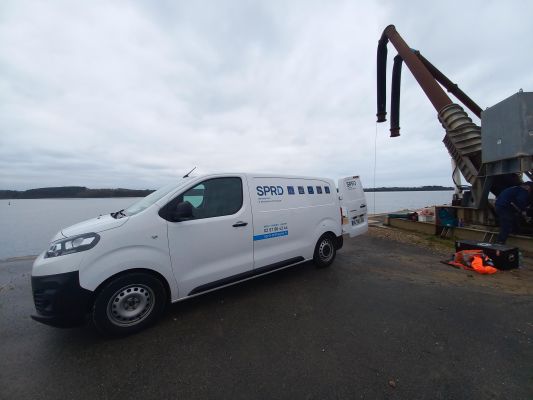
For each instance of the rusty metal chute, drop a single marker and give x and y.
(451, 87)
(427, 82)
(463, 137)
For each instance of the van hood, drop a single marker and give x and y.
(98, 224)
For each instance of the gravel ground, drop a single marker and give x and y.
(516, 281)
(437, 245)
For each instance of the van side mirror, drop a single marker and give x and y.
(182, 212)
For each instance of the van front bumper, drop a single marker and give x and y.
(60, 300)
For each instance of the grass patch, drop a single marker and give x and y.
(433, 239)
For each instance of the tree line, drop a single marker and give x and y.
(431, 188)
(71, 192)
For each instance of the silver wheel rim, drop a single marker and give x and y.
(325, 250)
(130, 305)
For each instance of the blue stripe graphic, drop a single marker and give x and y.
(271, 235)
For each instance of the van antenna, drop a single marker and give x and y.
(188, 173)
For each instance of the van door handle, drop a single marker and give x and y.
(240, 223)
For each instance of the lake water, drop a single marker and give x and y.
(26, 226)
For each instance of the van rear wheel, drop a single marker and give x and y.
(324, 251)
(128, 304)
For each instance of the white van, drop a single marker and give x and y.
(197, 235)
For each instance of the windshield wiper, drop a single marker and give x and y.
(119, 214)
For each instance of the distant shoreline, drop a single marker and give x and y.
(81, 192)
(410, 189)
(71, 192)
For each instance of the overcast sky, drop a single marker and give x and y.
(135, 93)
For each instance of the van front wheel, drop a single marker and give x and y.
(128, 304)
(324, 251)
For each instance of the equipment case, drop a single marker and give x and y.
(504, 257)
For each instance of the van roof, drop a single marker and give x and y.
(261, 175)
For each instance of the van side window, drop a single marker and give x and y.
(326, 188)
(310, 190)
(195, 196)
(214, 197)
(301, 190)
(319, 189)
(290, 189)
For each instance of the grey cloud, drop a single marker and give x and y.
(135, 94)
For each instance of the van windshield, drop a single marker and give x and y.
(147, 201)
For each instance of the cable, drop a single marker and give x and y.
(375, 163)
(453, 178)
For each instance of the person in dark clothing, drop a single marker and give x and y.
(509, 204)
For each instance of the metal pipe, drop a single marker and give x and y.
(395, 97)
(427, 82)
(382, 78)
(451, 87)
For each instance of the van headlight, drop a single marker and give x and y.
(72, 244)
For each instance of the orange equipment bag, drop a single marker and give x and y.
(473, 260)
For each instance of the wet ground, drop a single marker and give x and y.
(386, 321)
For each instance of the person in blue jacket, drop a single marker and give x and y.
(512, 202)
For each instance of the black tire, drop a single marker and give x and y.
(128, 304)
(325, 251)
